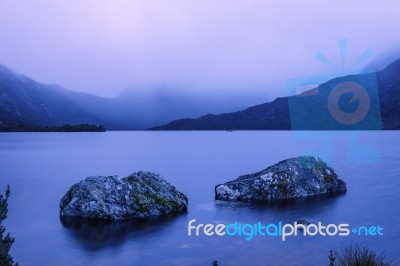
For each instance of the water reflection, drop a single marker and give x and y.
(96, 235)
(297, 203)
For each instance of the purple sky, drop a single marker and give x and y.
(103, 47)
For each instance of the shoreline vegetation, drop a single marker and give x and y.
(6, 240)
(352, 255)
(64, 128)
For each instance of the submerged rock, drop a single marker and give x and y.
(292, 178)
(140, 195)
(304, 221)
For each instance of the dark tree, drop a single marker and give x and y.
(6, 241)
(354, 255)
(331, 258)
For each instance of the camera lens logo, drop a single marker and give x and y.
(342, 100)
(359, 93)
(347, 99)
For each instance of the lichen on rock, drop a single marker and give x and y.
(140, 195)
(292, 178)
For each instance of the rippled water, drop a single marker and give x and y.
(40, 168)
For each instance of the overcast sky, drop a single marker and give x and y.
(103, 47)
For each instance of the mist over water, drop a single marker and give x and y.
(163, 104)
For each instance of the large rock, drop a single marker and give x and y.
(292, 178)
(140, 195)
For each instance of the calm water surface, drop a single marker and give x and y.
(41, 167)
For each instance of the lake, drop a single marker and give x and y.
(41, 167)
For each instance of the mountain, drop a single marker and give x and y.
(163, 104)
(25, 101)
(313, 109)
(273, 115)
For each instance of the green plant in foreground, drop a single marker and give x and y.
(354, 255)
(6, 241)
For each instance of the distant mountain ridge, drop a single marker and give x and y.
(275, 115)
(23, 100)
(267, 116)
(26, 101)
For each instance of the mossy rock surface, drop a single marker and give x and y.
(140, 195)
(292, 178)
